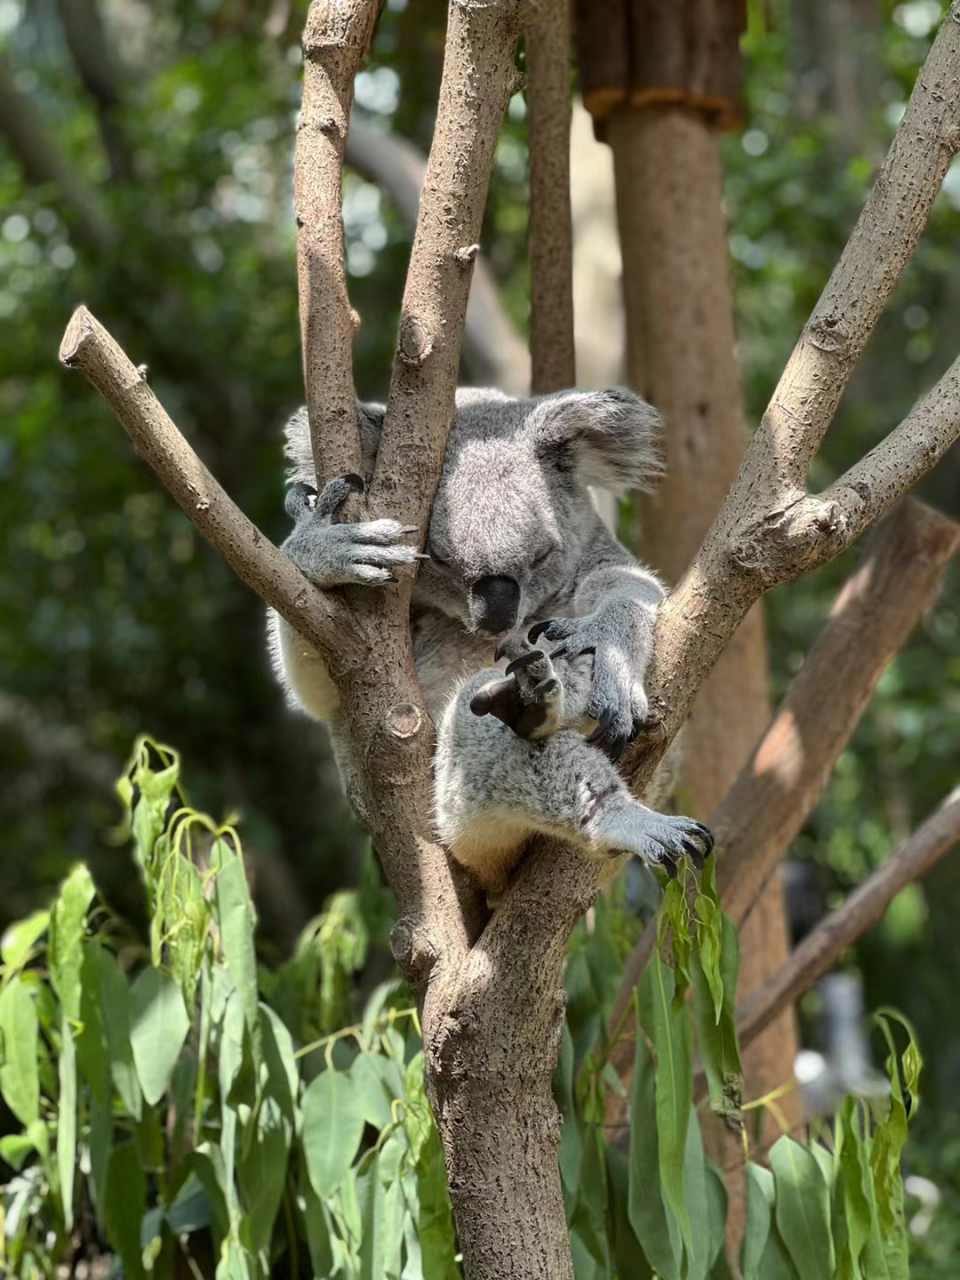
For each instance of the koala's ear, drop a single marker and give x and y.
(608, 438)
(299, 454)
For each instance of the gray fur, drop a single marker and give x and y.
(513, 540)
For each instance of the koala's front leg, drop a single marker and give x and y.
(335, 555)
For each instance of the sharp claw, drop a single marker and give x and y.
(524, 660)
(669, 865)
(604, 721)
(411, 528)
(558, 653)
(538, 629)
(355, 482)
(499, 652)
(616, 748)
(591, 648)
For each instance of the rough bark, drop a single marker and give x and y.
(550, 234)
(822, 948)
(336, 39)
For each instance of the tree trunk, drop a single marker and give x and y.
(681, 355)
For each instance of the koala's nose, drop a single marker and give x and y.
(497, 602)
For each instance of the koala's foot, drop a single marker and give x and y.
(625, 825)
(616, 702)
(334, 555)
(529, 698)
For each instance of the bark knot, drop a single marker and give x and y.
(828, 333)
(413, 950)
(404, 720)
(415, 343)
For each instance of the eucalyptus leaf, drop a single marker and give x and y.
(19, 1074)
(124, 1203)
(236, 921)
(68, 922)
(716, 1034)
(20, 938)
(67, 1123)
(760, 1201)
(158, 1028)
(802, 1209)
(333, 1122)
(646, 1211)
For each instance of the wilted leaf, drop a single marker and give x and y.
(717, 1035)
(68, 922)
(236, 920)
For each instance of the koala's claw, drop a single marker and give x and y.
(668, 839)
(334, 555)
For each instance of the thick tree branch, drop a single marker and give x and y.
(42, 161)
(822, 948)
(895, 583)
(88, 346)
(493, 351)
(478, 81)
(550, 235)
(336, 40)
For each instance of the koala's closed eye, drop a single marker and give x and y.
(541, 558)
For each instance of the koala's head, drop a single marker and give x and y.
(512, 511)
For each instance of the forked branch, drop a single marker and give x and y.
(822, 948)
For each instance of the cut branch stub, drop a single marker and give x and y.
(336, 40)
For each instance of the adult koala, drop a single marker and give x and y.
(516, 554)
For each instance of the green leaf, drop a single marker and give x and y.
(182, 917)
(68, 924)
(236, 921)
(17, 944)
(669, 1028)
(333, 1121)
(646, 1211)
(676, 910)
(19, 1074)
(629, 1258)
(281, 1078)
(262, 1174)
(381, 1216)
(159, 1026)
(760, 1200)
(699, 1257)
(372, 1089)
(717, 1035)
(802, 1209)
(709, 934)
(14, 1149)
(67, 1122)
(855, 1187)
(437, 1239)
(717, 1218)
(124, 1203)
(317, 1224)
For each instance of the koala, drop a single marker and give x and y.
(532, 626)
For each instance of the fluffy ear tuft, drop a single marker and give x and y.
(609, 438)
(299, 454)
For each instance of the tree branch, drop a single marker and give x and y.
(492, 348)
(821, 949)
(88, 346)
(550, 235)
(896, 582)
(42, 161)
(336, 40)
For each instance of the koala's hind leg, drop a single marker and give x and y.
(495, 789)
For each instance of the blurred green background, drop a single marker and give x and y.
(172, 219)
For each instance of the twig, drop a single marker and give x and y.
(336, 39)
(821, 949)
(550, 235)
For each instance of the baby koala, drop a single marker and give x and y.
(532, 626)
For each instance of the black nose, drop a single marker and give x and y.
(499, 601)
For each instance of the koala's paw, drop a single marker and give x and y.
(665, 840)
(335, 555)
(617, 701)
(529, 698)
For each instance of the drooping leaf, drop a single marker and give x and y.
(717, 1221)
(158, 1028)
(333, 1121)
(67, 1122)
(802, 1209)
(236, 921)
(381, 1216)
(699, 1256)
(19, 1074)
(375, 1096)
(262, 1173)
(669, 1028)
(709, 936)
(717, 1035)
(316, 1221)
(646, 1211)
(68, 922)
(855, 1189)
(105, 983)
(629, 1258)
(436, 1234)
